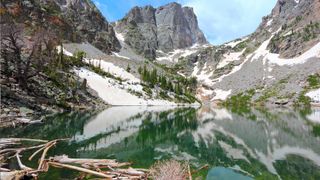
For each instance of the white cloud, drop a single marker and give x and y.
(222, 21)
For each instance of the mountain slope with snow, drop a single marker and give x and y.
(126, 91)
(275, 61)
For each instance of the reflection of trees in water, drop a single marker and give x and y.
(57, 126)
(168, 124)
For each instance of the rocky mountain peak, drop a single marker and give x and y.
(147, 29)
(141, 15)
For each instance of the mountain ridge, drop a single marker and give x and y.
(284, 48)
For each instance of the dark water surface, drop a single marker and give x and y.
(259, 144)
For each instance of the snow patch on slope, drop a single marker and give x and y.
(204, 75)
(230, 58)
(65, 52)
(269, 22)
(314, 95)
(221, 94)
(120, 56)
(119, 36)
(177, 53)
(272, 58)
(113, 69)
(232, 44)
(116, 94)
(313, 52)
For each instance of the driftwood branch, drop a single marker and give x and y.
(35, 153)
(60, 165)
(21, 166)
(189, 172)
(46, 149)
(89, 162)
(105, 168)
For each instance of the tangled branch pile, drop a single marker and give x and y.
(104, 168)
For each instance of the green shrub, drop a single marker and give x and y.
(314, 81)
(303, 100)
(240, 46)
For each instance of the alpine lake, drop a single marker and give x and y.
(249, 144)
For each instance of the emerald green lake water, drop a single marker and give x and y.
(258, 144)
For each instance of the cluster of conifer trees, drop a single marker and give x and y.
(178, 85)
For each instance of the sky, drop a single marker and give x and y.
(220, 20)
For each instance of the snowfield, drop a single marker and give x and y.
(204, 75)
(221, 94)
(119, 36)
(114, 70)
(273, 58)
(177, 53)
(314, 95)
(116, 94)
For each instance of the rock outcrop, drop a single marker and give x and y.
(296, 23)
(72, 20)
(166, 28)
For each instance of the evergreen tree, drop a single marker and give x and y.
(192, 83)
(140, 70)
(163, 82)
(128, 68)
(170, 86)
(177, 89)
(153, 77)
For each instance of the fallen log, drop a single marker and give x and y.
(66, 159)
(89, 162)
(130, 171)
(60, 165)
(20, 139)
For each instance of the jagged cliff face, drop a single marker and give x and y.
(296, 23)
(71, 20)
(166, 28)
(90, 23)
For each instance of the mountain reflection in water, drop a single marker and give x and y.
(262, 143)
